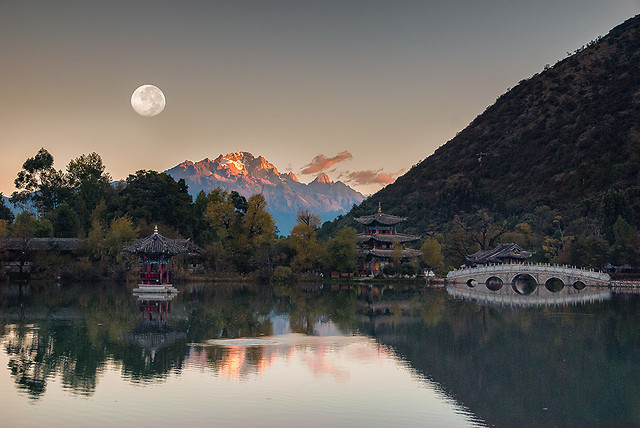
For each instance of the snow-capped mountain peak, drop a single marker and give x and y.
(285, 195)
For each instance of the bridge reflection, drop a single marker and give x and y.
(543, 297)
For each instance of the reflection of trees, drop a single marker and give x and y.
(37, 354)
(71, 332)
(61, 331)
(578, 363)
(227, 312)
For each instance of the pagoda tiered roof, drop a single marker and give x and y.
(386, 237)
(157, 244)
(379, 217)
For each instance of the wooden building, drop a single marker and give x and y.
(502, 254)
(380, 243)
(21, 255)
(155, 252)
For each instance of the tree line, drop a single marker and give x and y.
(237, 235)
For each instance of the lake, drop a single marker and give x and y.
(252, 355)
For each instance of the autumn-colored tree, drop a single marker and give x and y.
(106, 243)
(257, 223)
(308, 252)
(221, 214)
(431, 254)
(341, 251)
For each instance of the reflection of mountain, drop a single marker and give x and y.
(237, 362)
(570, 366)
(243, 358)
(285, 195)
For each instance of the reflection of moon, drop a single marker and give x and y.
(148, 100)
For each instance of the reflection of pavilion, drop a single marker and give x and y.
(153, 334)
(154, 307)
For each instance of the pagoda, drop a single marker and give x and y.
(155, 252)
(376, 243)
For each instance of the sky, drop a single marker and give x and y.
(359, 89)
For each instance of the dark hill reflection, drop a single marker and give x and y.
(553, 366)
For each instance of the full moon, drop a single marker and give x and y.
(148, 100)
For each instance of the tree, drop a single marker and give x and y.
(39, 183)
(106, 244)
(5, 212)
(65, 221)
(26, 226)
(308, 218)
(258, 225)
(89, 184)
(625, 246)
(153, 197)
(308, 251)
(220, 214)
(341, 251)
(259, 232)
(482, 228)
(431, 254)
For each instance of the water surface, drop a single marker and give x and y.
(256, 355)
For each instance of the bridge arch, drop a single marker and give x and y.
(524, 284)
(494, 283)
(471, 283)
(579, 285)
(554, 284)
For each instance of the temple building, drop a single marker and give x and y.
(502, 254)
(380, 244)
(155, 252)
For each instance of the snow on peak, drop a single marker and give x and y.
(322, 178)
(291, 176)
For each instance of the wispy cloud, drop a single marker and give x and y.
(322, 162)
(368, 177)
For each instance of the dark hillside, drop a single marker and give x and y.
(568, 138)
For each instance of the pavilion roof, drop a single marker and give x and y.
(497, 254)
(388, 254)
(380, 237)
(157, 244)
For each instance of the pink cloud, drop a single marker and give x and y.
(322, 162)
(369, 177)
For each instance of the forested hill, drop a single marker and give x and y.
(567, 138)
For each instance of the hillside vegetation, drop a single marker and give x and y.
(562, 146)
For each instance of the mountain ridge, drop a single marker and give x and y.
(285, 194)
(567, 138)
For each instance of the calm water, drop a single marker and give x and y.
(228, 355)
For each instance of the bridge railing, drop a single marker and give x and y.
(527, 267)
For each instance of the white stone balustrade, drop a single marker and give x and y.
(531, 268)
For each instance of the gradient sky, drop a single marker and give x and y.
(371, 87)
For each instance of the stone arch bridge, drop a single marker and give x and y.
(526, 279)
